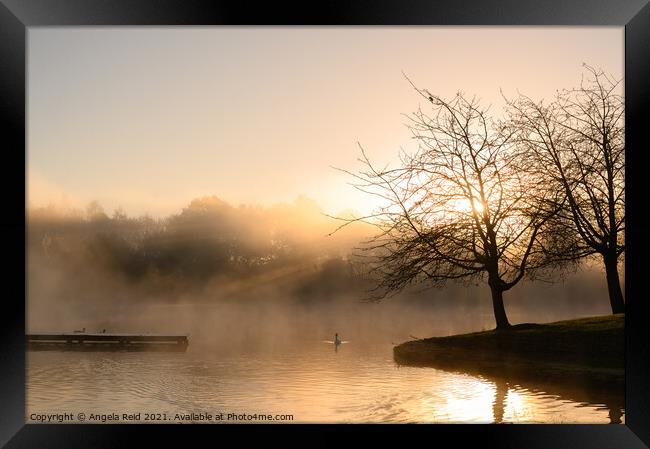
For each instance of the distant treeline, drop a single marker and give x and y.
(208, 239)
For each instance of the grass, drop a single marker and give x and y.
(587, 350)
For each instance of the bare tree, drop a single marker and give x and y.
(576, 144)
(459, 208)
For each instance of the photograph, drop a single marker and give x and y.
(324, 222)
(325, 225)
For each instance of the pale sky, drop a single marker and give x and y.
(150, 118)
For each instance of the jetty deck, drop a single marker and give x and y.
(82, 341)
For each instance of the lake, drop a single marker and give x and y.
(358, 383)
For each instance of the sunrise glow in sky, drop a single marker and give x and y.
(148, 119)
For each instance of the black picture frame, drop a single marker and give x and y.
(17, 15)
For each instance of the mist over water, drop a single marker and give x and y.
(270, 315)
(122, 274)
(258, 321)
(269, 318)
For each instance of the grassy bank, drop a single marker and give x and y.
(587, 350)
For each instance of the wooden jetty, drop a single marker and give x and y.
(78, 341)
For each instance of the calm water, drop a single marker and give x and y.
(310, 381)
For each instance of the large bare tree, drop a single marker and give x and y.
(460, 207)
(576, 144)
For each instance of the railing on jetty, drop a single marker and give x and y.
(106, 342)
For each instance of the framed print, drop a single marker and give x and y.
(274, 219)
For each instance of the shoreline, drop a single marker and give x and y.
(587, 352)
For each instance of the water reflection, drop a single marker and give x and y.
(354, 383)
(513, 402)
(615, 413)
(499, 404)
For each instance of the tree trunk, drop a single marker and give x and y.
(499, 310)
(613, 284)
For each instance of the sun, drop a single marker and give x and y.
(467, 206)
